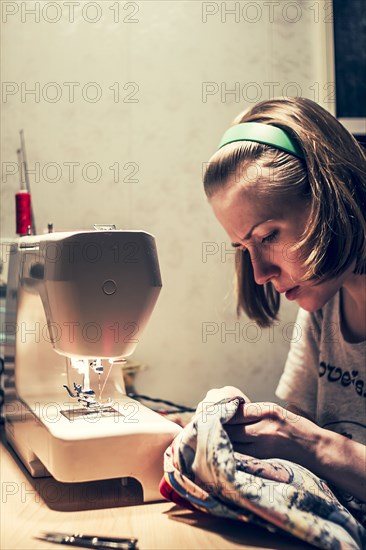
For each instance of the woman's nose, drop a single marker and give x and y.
(264, 270)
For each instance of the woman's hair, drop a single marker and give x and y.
(331, 179)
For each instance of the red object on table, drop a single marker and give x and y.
(23, 213)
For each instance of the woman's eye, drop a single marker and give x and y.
(269, 238)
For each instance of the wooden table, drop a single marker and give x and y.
(30, 506)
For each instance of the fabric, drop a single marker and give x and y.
(203, 472)
(325, 376)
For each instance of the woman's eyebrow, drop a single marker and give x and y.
(249, 234)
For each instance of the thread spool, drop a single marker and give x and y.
(23, 212)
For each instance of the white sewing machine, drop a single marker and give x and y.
(77, 304)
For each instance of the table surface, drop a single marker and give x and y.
(30, 506)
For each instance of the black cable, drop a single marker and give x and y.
(179, 408)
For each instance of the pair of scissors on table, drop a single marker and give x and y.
(90, 541)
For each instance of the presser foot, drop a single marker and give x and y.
(87, 398)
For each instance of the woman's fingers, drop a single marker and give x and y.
(251, 412)
(240, 433)
(214, 396)
(227, 392)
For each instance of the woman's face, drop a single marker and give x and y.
(271, 233)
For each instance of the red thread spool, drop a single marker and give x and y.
(23, 212)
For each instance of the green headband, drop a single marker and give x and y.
(261, 133)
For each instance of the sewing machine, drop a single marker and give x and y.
(77, 305)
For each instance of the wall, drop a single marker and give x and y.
(170, 78)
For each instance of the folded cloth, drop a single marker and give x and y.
(202, 471)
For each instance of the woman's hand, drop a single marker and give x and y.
(267, 430)
(213, 397)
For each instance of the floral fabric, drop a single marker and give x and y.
(203, 472)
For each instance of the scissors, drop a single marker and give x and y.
(90, 541)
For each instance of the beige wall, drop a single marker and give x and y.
(174, 63)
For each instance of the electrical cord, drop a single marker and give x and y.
(177, 408)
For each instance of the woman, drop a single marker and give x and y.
(288, 184)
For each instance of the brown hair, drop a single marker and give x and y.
(332, 177)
